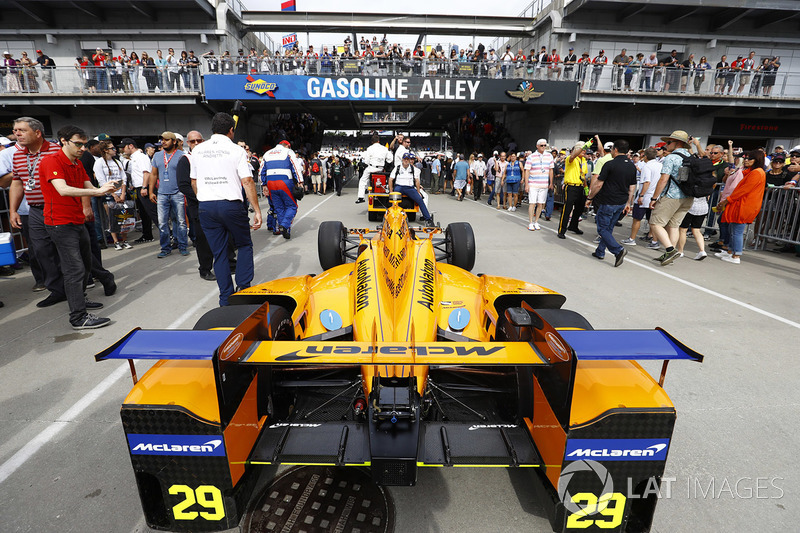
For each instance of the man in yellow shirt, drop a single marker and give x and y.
(575, 170)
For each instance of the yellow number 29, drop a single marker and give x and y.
(611, 505)
(208, 496)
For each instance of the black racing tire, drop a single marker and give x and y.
(228, 316)
(564, 318)
(412, 217)
(331, 244)
(373, 216)
(460, 245)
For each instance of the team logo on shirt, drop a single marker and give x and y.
(524, 92)
(260, 86)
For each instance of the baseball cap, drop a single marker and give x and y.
(126, 141)
(408, 155)
(286, 143)
(780, 146)
(179, 137)
(608, 146)
(5, 141)
(38, 51)
(103, 137)
(602, 51)
(571, 48)
(168, 135)
(660, 145)
(6, 53)
(480, 155)
(149, 145)
(777, 157)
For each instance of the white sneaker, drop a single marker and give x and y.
(730, 259)
(531, 227)
(536, 225)
(700, 256)
(628, 241)
(722, 254)
(512, 208)
(597, 240)
(680, 254)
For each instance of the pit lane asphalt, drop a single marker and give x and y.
(63, 459)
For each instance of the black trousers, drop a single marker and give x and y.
(45, 251)
(75, 253)
(204, 254)
(36, 269)
(477, 187)
(571, 211)
(148, 211)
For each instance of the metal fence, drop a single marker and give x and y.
(779, 220)
(141, 80)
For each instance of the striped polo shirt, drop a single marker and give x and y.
(26, 170)
(538, 166)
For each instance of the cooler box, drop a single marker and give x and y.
(379, 183)
(7, 254)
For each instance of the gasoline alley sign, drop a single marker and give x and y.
(386, 89)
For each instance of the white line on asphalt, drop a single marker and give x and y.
(680, 280)
(69, 416)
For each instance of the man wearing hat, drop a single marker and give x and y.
(48, 66)
(668, 203)
(599, 62)
(170, 200)
(405, 179)
(569, 63)
(280, 173)
(583, 67)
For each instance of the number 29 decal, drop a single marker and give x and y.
(605, 512)
(207, 496)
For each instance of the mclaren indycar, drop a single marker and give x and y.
(397, 358)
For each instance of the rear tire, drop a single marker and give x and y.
(331, 243)
(228, 316)
(460, 245)
(564, 318)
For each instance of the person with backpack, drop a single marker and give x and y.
(315, 169)
(681, 178)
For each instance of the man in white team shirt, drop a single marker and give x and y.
(220, 170)
(140, 164)
(376, 156)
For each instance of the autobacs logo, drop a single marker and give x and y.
(187, 445)
(617, 449)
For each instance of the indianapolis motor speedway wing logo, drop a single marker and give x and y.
(524, 92)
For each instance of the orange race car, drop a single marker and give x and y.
(397, 358)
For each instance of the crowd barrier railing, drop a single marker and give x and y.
(779, 220)
(592, 78)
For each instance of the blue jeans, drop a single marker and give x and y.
(171, 204)
(725, 233)
(218, 219)
(606, 216)
(548, 206)
(737, 237)
(412, 193)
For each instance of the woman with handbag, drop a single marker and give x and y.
(106, 169)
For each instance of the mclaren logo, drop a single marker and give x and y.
(524, 92)
(617, 449)
(187, 445)
(260, 86)
(311, 351)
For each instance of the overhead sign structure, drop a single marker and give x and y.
(386, 89)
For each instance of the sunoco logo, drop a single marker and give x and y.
(192, 445)
(617, 449)
(260, 86)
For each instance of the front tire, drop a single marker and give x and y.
(460, 245)
(331, 243)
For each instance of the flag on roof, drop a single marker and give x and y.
(288, 5)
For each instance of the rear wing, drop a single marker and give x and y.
(597, 345)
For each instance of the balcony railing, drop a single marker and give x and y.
(723, 83)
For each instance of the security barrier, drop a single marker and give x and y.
(779, 220)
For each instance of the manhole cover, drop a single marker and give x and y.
(316, 499)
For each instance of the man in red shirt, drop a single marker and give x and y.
(64, 186)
